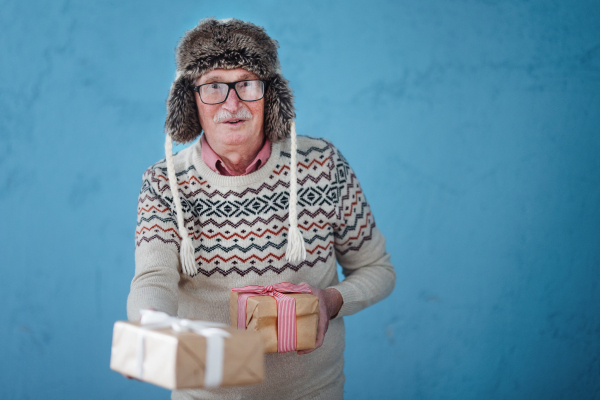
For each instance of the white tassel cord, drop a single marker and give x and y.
(186, 253)
(295, 252)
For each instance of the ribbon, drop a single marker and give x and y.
(215, 341)
(286, 310)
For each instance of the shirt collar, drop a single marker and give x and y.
(215, 162)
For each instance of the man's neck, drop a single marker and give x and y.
(237, 158)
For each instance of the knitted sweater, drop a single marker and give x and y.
(239, 227)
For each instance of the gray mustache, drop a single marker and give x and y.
(224, 115)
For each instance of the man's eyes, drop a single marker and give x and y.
(221, 86)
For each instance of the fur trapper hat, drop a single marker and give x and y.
(230, 44)
(227, 44)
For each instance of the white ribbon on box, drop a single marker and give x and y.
(215, 342)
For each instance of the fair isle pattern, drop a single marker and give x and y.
(243, 230)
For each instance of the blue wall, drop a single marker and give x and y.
(474, 127)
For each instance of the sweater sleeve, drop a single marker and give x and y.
(157, 241)
(359, 245)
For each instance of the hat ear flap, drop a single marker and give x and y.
(279, 109)
(182, 122)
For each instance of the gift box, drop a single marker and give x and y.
(176, 353)
(285, 315)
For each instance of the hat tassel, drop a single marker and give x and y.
(295, 251)
(186, 252)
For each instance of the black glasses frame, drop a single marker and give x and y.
(231, 85)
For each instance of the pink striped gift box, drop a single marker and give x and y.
(285, 315)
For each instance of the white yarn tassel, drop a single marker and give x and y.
(186, 256)
(186, 252)
(295, 252)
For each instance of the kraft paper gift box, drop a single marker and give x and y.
(262, 317)
(178, 360)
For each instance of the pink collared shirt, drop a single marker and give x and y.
(215, 162)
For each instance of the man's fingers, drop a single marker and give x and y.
(130, 377)
(321, 330)
(323, 323)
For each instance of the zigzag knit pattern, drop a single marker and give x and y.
(243, 229)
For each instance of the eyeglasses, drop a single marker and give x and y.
(217, 92)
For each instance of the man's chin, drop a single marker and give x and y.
(242, 129)
(232, 137)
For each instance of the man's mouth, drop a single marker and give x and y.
(235, 121)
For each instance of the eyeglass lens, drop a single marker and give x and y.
(246, 90)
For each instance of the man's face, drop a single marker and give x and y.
(234, 122)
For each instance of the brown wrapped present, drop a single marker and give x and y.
(175, 357)
(267, 313)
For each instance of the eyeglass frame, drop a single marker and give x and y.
(231, 85)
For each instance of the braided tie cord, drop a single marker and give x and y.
(186, 253)
(295, 252)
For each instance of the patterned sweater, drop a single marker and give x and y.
(239, 228)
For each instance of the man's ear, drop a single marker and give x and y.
(182, 123)
(279, 109)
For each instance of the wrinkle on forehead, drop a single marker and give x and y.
(220, 75)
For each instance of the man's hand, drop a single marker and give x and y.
(330, 302)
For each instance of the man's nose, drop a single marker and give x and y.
(233, 102)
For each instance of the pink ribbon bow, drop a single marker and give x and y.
(286, 310)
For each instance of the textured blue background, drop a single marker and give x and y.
(474, 127)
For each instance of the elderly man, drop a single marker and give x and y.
(252, 204)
